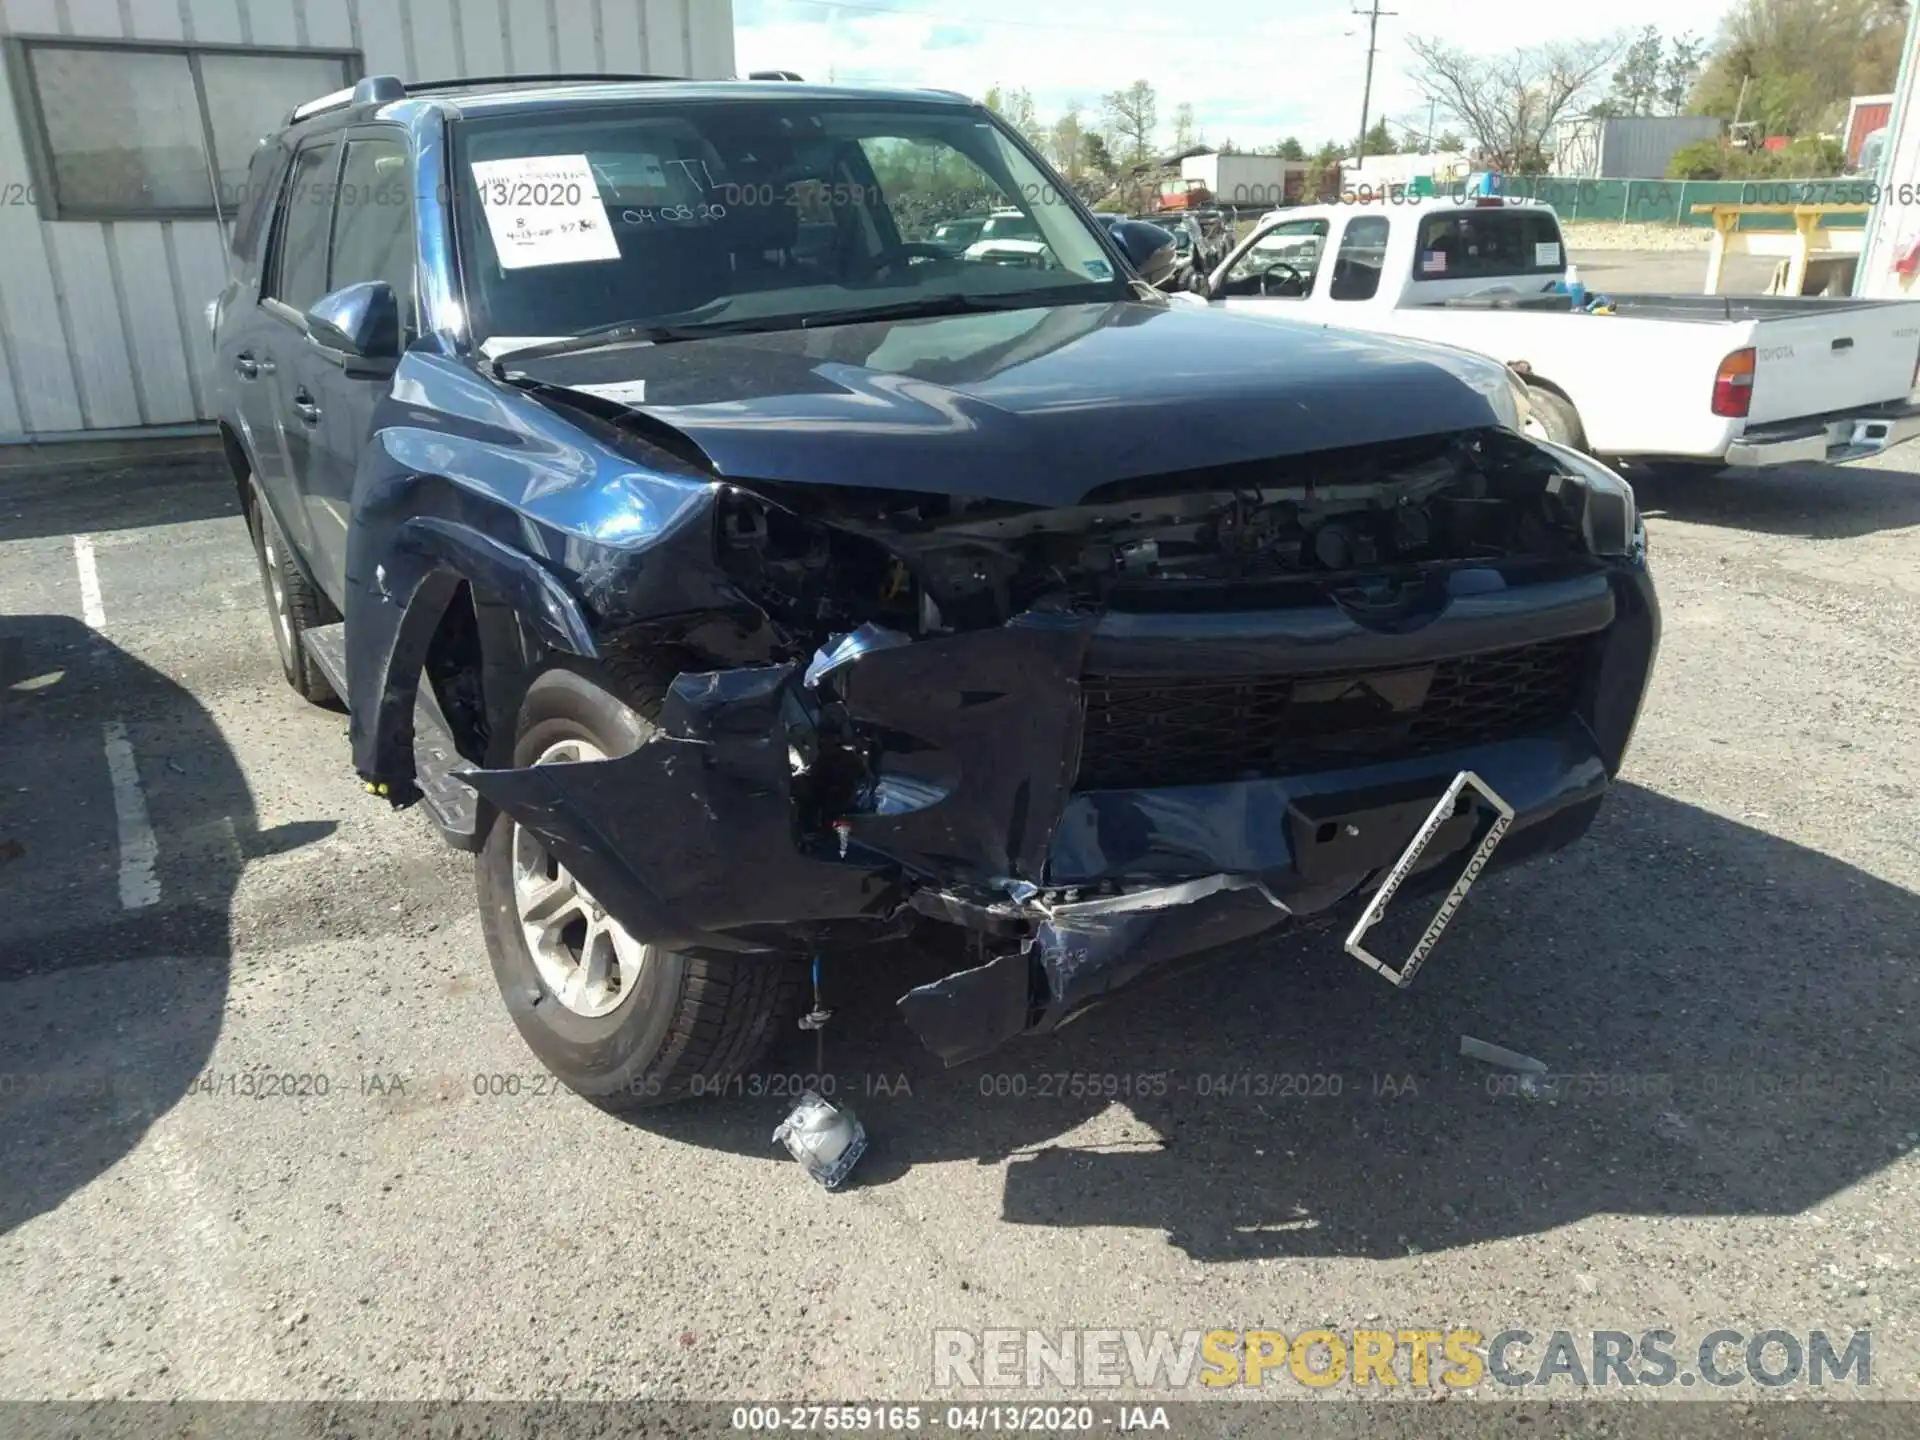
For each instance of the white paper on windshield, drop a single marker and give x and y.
(544, 210)
(1546, 252)
(625, 392)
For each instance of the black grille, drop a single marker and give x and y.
(1146, 733)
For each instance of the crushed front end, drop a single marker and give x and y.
(1090, 739)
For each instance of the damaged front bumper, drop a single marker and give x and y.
(983, 781)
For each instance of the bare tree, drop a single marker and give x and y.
(1066, 144)
(1017, 109)
(1133, 120)
(1510, 103)
(1185, 133)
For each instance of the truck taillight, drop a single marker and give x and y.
(1733, 385)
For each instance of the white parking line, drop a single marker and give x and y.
(139, 850)
(90, 603)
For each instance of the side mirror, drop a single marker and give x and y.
(1149, 248)
(362, 322)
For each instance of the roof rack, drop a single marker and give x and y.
(775, 75)
(382, 89)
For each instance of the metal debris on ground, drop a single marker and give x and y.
(1533, 1073)
(828, 1142)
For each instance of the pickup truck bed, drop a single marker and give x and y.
(1703, 309)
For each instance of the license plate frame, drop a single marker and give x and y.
(1376, 907)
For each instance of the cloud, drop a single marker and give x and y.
(1254, 70)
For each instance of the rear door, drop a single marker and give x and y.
(296, 277)
(372, 239)
(247, 337)
(1842, 359)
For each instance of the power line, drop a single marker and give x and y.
(1366, 92)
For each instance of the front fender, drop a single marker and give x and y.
(394, 606)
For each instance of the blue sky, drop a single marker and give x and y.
(1254, 70)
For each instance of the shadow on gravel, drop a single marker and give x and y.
(1814, 502)
(66, 497)
(107, 1014)
(1731, 1020)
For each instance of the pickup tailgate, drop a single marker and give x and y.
(1816, 364)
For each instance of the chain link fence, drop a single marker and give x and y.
(1671, 202)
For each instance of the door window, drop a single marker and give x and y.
(297, 270)
(1281, 262)
(373, 222)
(1487, 243)
(1363, 250)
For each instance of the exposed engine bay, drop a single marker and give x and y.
(819, 560)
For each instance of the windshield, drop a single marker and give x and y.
(958, 231)
(1010, 227)
(1291, 247)
(741, 212)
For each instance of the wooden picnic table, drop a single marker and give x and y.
(1809, 225)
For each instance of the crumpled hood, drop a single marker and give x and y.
(1037, 406)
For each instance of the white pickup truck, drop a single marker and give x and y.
(1699, 379)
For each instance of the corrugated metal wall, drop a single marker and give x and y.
(1639, 147)
(101, 324)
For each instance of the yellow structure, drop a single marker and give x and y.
(1810, 244)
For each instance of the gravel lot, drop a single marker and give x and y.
(1732, 953)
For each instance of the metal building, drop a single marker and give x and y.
(118, 116)
(1865, 114)
(1635, 147)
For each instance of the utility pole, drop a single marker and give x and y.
(1366, 94)
(1432, 106)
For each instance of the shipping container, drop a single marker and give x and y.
(1246, 182)
(1865, 114)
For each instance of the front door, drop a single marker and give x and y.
(372, 239)
(1275, 267)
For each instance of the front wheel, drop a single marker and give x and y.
(623, 1023)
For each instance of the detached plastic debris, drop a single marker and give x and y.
(828, 1142)
(1533, 1073)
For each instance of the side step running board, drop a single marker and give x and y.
(454, 806)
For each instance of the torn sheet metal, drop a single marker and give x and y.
(846, 649)
(689, 840)
(973, 742)
(1075, 955)
(992, 720)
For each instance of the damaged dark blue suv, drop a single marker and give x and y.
(748, 577)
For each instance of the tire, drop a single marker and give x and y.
(675, 1024)
(294, 603)
(1557, 417)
